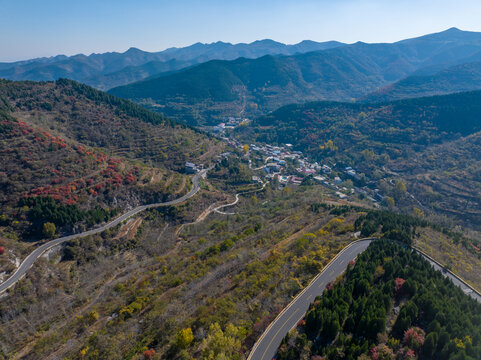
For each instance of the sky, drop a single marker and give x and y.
(37, 28)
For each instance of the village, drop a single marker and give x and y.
(288, 167)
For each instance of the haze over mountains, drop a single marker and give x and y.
(201, 83)
(113, 69)
(255, 86)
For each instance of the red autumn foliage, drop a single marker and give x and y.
(58, 180)
(2, 250)
(414, 338)
(263, 323)
(406, 354)
(399, 282)
(149, 354)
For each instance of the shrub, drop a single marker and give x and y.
(49, 230)
(149, 354)
(185, 338)
(414, 338)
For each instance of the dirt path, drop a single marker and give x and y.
(168, 181)
(210, 153)
(201, 217)
(162, 232)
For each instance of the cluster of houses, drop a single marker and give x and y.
(275, 168)
(276, 161)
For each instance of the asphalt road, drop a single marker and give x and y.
(266, 347)
(466, 288)
(34, 255)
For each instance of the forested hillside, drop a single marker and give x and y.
(458, 78)
(395, 127)
(70, 154)
(391, 304)
(220, 88)
(401, 140)
(180, 288)
(248, 87)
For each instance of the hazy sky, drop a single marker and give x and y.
(34, 28)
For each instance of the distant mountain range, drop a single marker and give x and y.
(114, 69)
(208, 91)
(202, 83)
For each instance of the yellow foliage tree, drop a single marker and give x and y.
(368, 154)
(329, 146)
(222, 345)
(49, 230)
(185, 338)
(400, 187)
(418, 213)
(389, 202)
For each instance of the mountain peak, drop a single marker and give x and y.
(453, 29)
(265, 41)
(133, 50)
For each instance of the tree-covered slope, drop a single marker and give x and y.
(458, 78)
(393, 127)
(390, 304)
(67, 149)
(98, 119)
(252, 86)
(431, 143)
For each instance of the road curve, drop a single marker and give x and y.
(34, 255)
(217, 209)
(266, 347)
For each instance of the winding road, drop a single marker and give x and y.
(217, 209)
(34, 255)
(266, 347)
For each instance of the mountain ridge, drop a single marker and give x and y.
(89, 68)
(207, 92)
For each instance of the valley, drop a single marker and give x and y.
(296, 237)
(258, 200)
